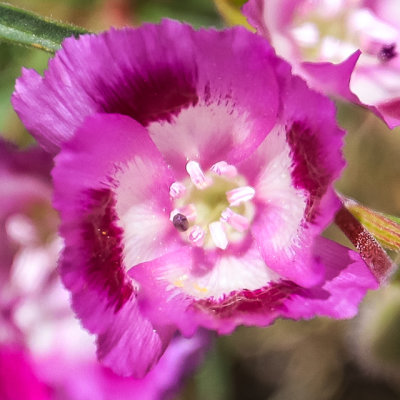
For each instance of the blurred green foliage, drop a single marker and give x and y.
(12, 58)
(196, 12)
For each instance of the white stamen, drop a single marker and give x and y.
(177, 190)
(225, 169)
(197, 175)
(306, 35)
(173, 213)
(240, 195)
(218, 235)
(21, 229)
(189, 212)
(196, 235)
(238, 222)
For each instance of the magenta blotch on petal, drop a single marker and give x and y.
(86, 180)
(78, 84)
(44, 351)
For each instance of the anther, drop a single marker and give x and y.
(218, 235)
(387, 52)
(240, 195)
(180, 222)
(238, 222)
(222, 168)
(177, 190)
(197, 175)
(173, 213)
(196, 236)
(188, 211)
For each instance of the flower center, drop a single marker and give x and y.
(333, 30)
(214, 208)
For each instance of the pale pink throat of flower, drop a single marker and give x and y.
(213, 208)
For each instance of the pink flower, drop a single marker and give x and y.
(194, 179)
(44, 353)
(17, 376)
(322, 39)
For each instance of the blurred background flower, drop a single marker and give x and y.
(319, 359)
(361, 36)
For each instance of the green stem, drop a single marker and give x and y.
(28, 29)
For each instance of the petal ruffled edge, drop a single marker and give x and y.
(347, 280)
(118, 71)
(309, 132)
(338, 296)
(92, 265)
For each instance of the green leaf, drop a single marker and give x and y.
(231, 13)
(25, 28)
(395, 219)
(385, 228)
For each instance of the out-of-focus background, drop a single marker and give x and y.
(313, 360)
